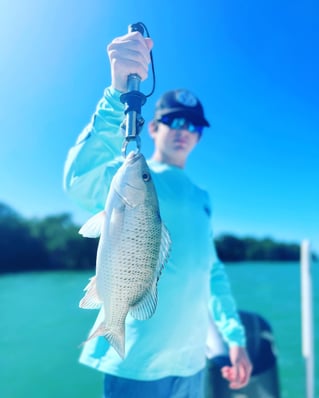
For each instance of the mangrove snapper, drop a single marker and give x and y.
(133, 248)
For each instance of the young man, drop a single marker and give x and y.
(165, 355)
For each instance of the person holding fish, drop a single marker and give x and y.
(158, 278)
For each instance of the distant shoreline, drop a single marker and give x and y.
(53, 243)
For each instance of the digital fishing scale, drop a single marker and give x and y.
(134, 99)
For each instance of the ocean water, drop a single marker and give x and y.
(41, 329)
(273, 291)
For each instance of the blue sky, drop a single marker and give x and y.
(254, 65)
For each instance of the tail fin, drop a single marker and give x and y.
(115, 337)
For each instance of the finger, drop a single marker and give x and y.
(135, 42)
(126, 67)
(234, 375)
(149, 42)
(245, 372)
(131, 50)
(228, 373)
(242, 378)
(129, 59)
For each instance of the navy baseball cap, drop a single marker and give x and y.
(181, 103)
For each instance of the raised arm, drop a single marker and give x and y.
(95, 157)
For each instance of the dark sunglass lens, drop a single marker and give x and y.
(166, 120)
(180, 123)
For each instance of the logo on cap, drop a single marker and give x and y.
(186, 98)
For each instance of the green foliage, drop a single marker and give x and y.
(53, 243)
(232, 249)
(47, 244)
(18, 249)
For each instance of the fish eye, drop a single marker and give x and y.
(146, 177)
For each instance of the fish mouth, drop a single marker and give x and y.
(133, 157)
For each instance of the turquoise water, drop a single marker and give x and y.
(41, 329)
(273, 291)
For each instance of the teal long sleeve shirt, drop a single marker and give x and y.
(193, 284)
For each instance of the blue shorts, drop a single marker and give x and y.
(169, 387)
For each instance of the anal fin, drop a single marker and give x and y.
(91, 299)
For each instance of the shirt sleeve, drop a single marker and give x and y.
(96, 155)
(223, 306)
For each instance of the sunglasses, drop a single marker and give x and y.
(179, 123)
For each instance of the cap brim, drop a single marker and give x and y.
(189, 115)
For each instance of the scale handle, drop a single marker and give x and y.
(134, 80)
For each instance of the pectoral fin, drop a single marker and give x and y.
(92, 228)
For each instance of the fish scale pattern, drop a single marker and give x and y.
(134, 246)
